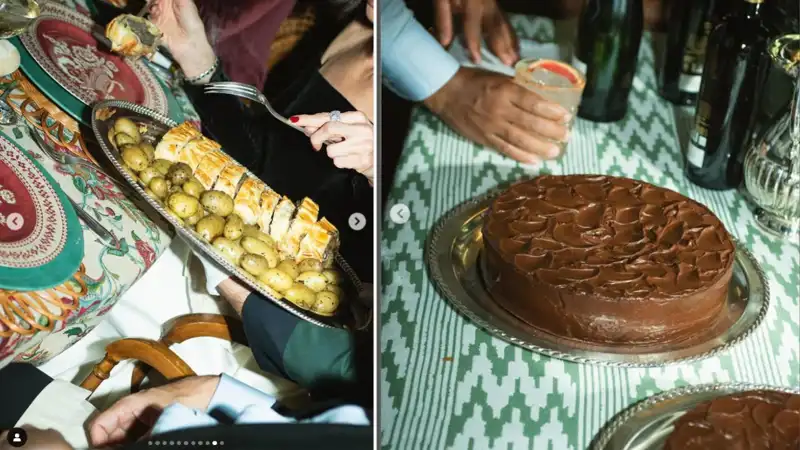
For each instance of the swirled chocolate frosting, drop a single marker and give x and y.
(590, 257)
(755, 420)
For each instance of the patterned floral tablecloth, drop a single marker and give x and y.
(446, 384)
(108, 271)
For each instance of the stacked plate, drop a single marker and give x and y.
(60, 55)
(41, 241)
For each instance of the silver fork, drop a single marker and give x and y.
(250, 93)
(61, 158)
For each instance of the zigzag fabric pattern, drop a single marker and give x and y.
(446, 384)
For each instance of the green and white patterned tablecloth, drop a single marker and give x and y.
(446, 384)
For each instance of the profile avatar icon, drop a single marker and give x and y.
(17, 437)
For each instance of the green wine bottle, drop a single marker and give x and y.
(728, 97)
(609, 34)
(690, 23)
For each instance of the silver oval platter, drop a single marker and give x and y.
(351, 312)
(453, 257)
(647, 424)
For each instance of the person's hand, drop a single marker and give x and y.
(38, 440)
(480, 17)
(137, 413)
(350, 141)
(492, 110)
(184, 35)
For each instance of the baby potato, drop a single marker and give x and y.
(252, 245)
(150, 193)
(326, 302)
(300, 295)
(253, 232)
(111, 135)
(159, 187)
(289, 267)
(276, 279)
(147, 175)
(174, 216)
(335, 289)
(124, 139)
(174, 188)
(313, 280)
(193, 188)
(148, 150)
(179, 173)
(183, 205)
(230, 250)
(210, 227)
(191, 221)
(135, 158)
(217, 202)
(332, 276)
(162, 166)
(128, 127)
(233, 227)
(254, 264)
(310, 265)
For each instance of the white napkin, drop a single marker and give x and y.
(61, 406)
(563, 32)
(527, 49)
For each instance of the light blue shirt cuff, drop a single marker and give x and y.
(413, 64)
(233, 397)
(178, 417)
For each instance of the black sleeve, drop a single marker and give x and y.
(240, 129)
(23, 383)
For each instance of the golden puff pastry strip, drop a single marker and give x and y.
(281, 219)
(133, 36)
(230, 179)
(210, 167)
(247, 203)
(307, 213)
(321, 242)
(197, 149)
(174, 140)
(269, 201)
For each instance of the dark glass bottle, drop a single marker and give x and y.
(609, 34)
(728, 96)
(690, 23)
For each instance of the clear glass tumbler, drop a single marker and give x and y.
(555, 81)
(16, 16)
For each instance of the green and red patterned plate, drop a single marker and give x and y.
(41, 240)
(62, 58)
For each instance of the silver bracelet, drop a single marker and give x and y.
(208, 72)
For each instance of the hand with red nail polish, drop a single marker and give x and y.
(481, 18)
(350, 141)
(492, 110)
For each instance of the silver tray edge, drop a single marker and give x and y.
(606, 433)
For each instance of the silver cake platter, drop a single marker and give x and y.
(647, 424)
(453, 257)
(351, 313)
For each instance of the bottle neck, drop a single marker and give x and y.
(749, 8)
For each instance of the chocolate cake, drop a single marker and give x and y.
(606, 260)
(755, 420)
